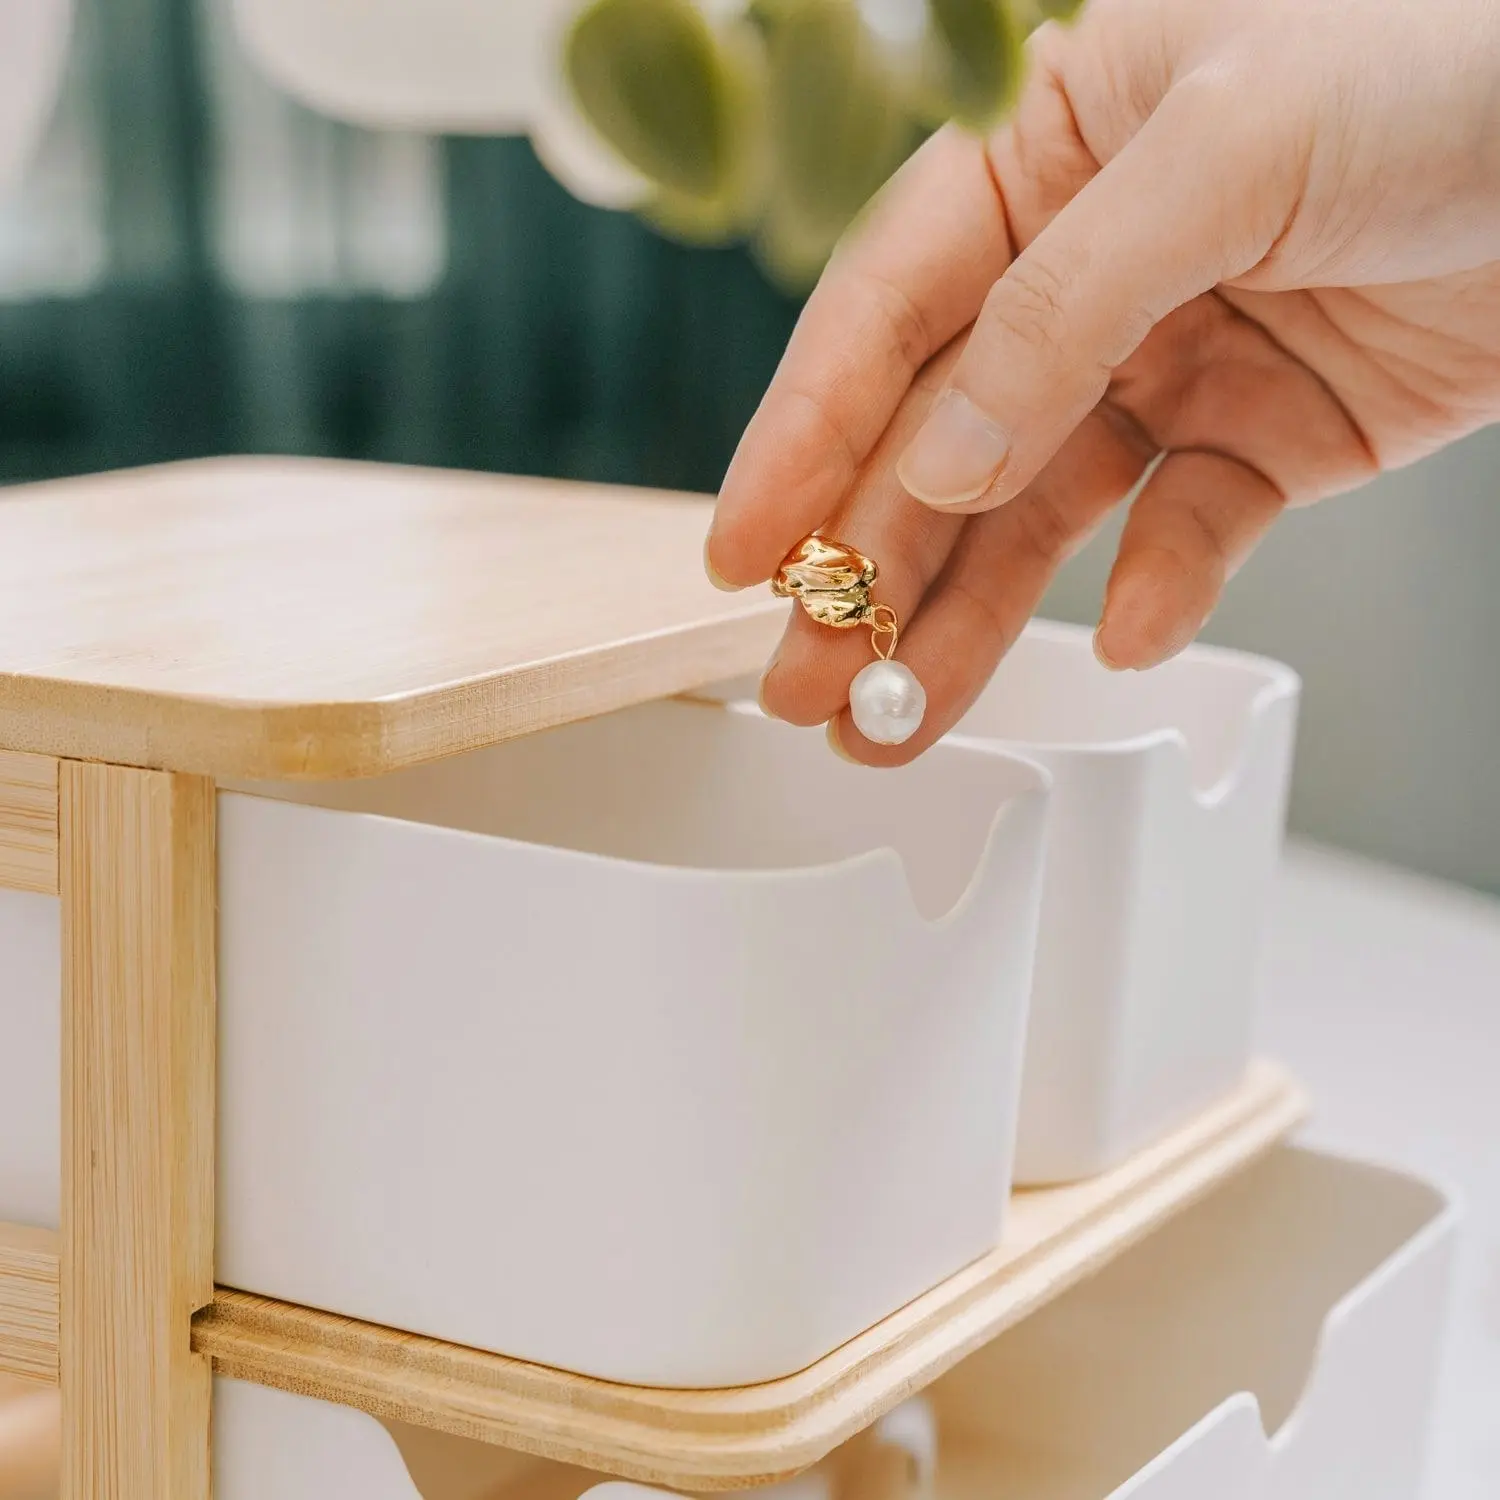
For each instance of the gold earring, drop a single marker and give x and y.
(833, 583)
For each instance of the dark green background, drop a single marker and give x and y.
(561, 340)
(566, 341)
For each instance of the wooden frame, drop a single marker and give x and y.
(137, 881)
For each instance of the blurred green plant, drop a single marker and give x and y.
(836, 130)
(776, 121)
(974, 48)
(678, 102)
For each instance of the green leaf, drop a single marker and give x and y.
(790, 251)
(767, 14)
(837, 124)
(730, 213)
(696, 221)
(979, 57)
(650, 78)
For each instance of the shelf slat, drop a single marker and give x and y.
(28, 822)
(28, 1302)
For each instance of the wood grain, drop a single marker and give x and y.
(137, 868)
(702, 1440)
(28, 822)
(28, 1302)
(280, 618)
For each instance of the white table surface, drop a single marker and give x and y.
(1382, 990)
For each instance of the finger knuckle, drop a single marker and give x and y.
(905, 329)
(814, 428)
(1210, 533)
(1224, 534)
(990, 621)
(1029, 301)
(1045, 529)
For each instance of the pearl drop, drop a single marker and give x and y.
(887, 702)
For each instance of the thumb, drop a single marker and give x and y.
(1197, 197)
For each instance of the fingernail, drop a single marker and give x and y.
(956, 455)
(1147, 619)
(1101, 655)
(831, 734)
(714, 576)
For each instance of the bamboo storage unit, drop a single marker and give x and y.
(162, 632)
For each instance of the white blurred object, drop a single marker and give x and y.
(443, 66)
(52, 235)
(305, 205)
(33, 50)
(420, 64)
(269, 1445)
(567, 145)
(484, 67)
(912, 1427)
(898, 23)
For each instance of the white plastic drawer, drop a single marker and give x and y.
(1168, 807)
(1277, 1342)
(664, 1047)
(1166, 821)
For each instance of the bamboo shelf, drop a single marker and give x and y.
(163, 632)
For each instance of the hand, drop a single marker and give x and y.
(1255, 243)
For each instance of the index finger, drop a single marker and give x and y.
(909, 280)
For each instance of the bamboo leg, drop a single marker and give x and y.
(137, 882)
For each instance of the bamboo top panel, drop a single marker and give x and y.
(256, 617)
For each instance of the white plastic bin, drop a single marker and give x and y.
(662, 1047)
(1279, 1341)
(1166, 826)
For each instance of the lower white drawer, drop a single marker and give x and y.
(1278, 1342)
(1304, 1300)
